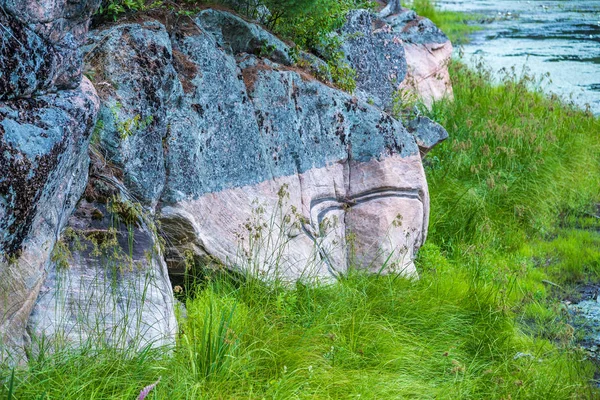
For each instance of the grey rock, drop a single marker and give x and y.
(426, 132)
(400, 55)
(377, 55)
(428, 52)
(213, 141)
(391, 7)
(316, 66)
(43, 172)
(313, 124)
(39, 51)
(415, 29)
(108, 286)
(236, 35)
(133, 70)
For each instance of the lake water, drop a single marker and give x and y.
(561, 38)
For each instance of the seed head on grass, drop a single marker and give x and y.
(146, 391)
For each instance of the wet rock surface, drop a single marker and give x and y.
(585, 316)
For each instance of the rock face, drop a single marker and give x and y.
(47, 113)
(376, 54)
(428, 51)
(41, 41)
(43, 165)
(107, 283)
(253, 163)
(235, 35)
(402, 55)
(209, 145)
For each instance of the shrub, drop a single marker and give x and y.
(113, 8)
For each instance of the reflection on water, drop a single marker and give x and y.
(561, 38)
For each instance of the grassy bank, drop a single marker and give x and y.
(512, 191)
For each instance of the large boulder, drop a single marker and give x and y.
(43, 172)
(332, 167)
(402, 57)
(109, 284)
(259, 166)
(428, 51)
(40, 48)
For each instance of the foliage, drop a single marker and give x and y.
(129, 126)
(113, 8)
(338, 69)
(311, 30)
(209, 339)
(271, 12)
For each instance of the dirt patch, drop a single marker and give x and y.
(250, 74)
(412, 24)
(186, 70)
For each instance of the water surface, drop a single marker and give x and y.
(561, 38)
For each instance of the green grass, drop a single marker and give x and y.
(449, 335)
(512, 225)
(457, 26)
(515, 164)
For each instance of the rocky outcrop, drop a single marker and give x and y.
(253, 163)
(43, 165)
(317, 157)
(47, 113)
(210, 146)
(107, 283)
(428, 51)
(427, 133)
(40, 50)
